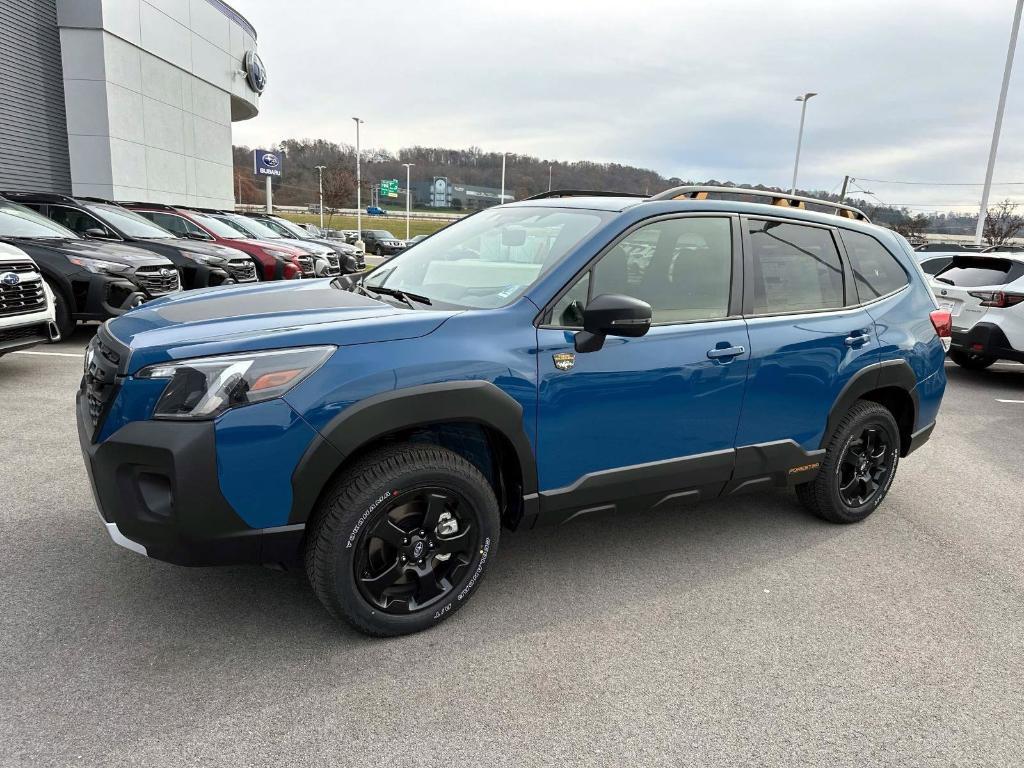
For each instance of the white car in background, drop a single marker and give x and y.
(27, 311)
(985, 295)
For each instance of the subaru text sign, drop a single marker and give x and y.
(267, 163)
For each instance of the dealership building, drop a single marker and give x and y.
(125, 99)
(444, 193)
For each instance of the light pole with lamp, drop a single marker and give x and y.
(501, 200)
(408, 197)
(800, 135)
(359, 192)
(320, 170)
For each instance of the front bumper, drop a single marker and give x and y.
(986, 339)
(156, 488)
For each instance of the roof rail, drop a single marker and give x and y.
(782, 199)
(43, 197)
(580, 193)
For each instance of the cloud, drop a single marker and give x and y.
(695, 90)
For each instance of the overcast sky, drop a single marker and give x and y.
(908, 88)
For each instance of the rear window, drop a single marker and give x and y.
(972, 271)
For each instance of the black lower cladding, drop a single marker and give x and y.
(673, 482)
(157, 480)
(22, 336)
(986, 339)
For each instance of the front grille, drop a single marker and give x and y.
(27, 296)
(306, 266)
(99, 383)
(18, 266)
(333, 265)
(242, 270)
(157, 281)
(25, 332)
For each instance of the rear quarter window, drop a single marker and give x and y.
(876, 271)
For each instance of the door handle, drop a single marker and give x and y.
(857, 338)
(720, 352)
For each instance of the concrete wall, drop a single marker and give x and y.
(151, 88)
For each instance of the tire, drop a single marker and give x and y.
(971, 360)
(379, 251)
(367, 531)
(65, 324)
(829, 495)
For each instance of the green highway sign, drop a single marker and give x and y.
(389, 188)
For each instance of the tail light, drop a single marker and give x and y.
(942, 321)
(1000, 299)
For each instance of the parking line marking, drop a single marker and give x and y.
(77, 356)
(1010, 401)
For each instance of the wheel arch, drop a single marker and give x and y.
(892, 384)
(451, 414)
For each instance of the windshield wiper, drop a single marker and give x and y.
(398, 294)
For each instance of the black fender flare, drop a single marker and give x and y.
(888, 373)
(479, 402)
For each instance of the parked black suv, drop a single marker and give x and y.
(381, 242)
(90, 280)
(350, 258)
(201, 264)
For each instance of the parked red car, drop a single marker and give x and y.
(274, 261)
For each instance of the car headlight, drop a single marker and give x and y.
(205, 387)
(202, 258)
(99, 266)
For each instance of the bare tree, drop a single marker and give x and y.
(911, 227)
(1002, 223)
(339, 187)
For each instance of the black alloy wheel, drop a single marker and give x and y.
(864, 466)
(417, 548)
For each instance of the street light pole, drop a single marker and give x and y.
(983, 212)
(408, 197)
(549, 177)
(501, 200)
(800, 136)
(359, 192)
(320, 170)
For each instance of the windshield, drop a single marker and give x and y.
(251, 227)
(382, 234)
(19, 221)
(488, 259)
(216, 226)
(130, 223)
(287, 229)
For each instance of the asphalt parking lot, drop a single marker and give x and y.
(737, 633)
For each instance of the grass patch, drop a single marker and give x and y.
(394, 224)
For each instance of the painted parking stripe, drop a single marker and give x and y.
(1019, 402)
(77, 355)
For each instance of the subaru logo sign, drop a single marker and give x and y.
(165, 272)
(10, 278)
(255, 72)
(266, 163)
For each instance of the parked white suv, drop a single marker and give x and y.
(26, 303)
(985, 295)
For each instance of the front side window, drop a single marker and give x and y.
(681, 267)
(174, 224)
(488, 259)
(875, 271)
(796, 268)
(76, 220)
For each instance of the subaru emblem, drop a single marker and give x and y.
(166, 272)
(10, 278)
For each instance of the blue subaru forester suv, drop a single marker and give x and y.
(569, 354)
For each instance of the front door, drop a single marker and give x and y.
(647, 420)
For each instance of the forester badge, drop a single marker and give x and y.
(564, 361)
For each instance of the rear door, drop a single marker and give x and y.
(955, 285)
(807, 336)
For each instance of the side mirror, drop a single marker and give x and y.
(612, 314)
(193, 235)
(97, 233)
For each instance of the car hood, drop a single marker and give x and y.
(310, 246)
(115, 252)
(204, 248)
(242, 318)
